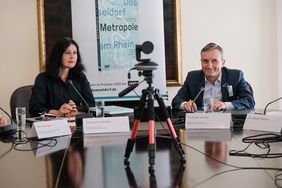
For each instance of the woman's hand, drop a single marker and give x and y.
(69, 109)
(3, 121)
(72, 106)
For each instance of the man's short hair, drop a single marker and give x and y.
(212, 46)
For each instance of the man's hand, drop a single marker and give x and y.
(219, 105)
(190, 106)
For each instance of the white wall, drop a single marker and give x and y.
(19, 62)
(247, 30)
(279, 45)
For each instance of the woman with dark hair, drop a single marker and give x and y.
(52, 92)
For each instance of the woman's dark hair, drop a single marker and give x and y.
(54, 61)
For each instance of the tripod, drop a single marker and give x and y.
(150, 93)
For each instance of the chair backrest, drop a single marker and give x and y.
(251, 89)
(20, 97)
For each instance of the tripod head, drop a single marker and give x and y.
(145, 67)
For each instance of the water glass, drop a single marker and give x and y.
(100, 108)
(21, 118)
(208, 105)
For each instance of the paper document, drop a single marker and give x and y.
(114, 110)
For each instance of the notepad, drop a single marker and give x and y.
(115, 110)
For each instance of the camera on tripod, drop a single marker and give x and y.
(145, 67)
(145, 64)
(147, 109)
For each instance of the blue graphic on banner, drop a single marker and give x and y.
(117, 33)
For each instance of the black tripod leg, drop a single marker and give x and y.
(151, 123)
(179, 149)
(128, 150)
(132, 139)
(176, 140)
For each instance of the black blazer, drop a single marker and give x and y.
(242, 97)
(50, 93)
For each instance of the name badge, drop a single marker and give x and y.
(230, 90)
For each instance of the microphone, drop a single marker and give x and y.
(264, 112)
(9, 128)
(201, 90)
(87, 105)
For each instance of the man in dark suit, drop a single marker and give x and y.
(226, 87)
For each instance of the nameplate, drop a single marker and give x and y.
(271, 123)
(208, 121)
(106, 125)
(52, 128)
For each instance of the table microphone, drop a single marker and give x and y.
(201, 90)
(264, 112)
(87, 105)
(10, 128)
(79, 117)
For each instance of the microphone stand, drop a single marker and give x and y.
(264, 112)
(82, 98)
(79, 117)
(201, 90)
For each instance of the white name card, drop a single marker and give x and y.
(208, 121)
(271, 123)
(52, 128)
(106, 125)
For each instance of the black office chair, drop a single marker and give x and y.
(20, 97)
(251, 89)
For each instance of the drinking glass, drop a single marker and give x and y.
(100, 108)
(21, 118)
(208, 103)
